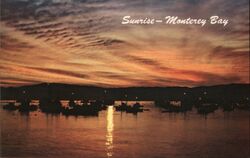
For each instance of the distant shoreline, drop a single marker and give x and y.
(62, 91)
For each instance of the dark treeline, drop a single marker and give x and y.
(225, 93)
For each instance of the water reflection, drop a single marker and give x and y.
(110, 128)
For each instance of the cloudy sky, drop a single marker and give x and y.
(83, 42)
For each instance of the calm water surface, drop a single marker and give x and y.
(150, 134)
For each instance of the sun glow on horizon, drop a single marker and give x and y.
(64, 44)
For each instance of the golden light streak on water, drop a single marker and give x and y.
(110, 128)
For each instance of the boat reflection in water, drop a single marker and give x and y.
(110, 128)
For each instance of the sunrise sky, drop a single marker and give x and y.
(83, 42)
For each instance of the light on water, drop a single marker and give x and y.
(124, 135)
(110, 128)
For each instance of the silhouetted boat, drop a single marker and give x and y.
(207, 108)
(50, 106)
(10, 106)
(85, 110)
(135, 108)
(173, 106)
(122, 107)
(72, 103)
(26, 107)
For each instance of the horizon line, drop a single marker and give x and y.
(94, 86)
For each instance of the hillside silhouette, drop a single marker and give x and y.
(66, 91)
